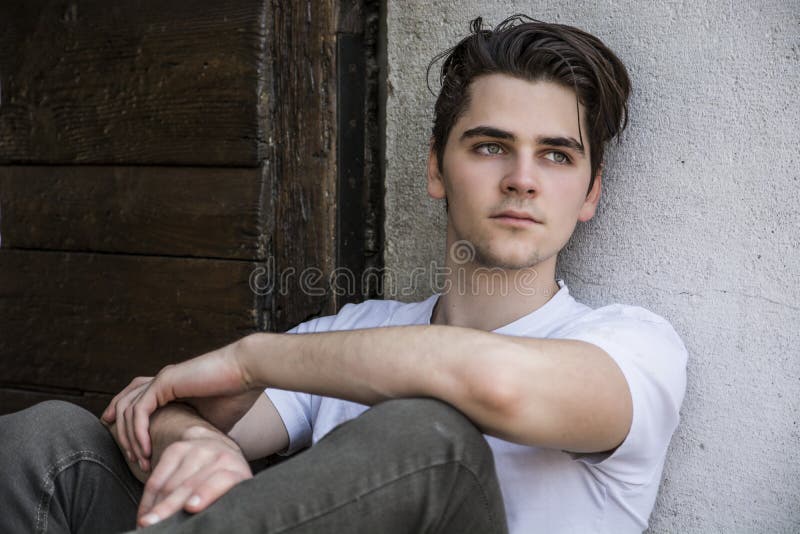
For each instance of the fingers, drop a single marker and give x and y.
(141, 451)
(158, 392)
(110, 413)
(195, 494)
(171, 504)
(131, 410)
(169, 463)
(191, 475)
(143, 402)
(146, 403)
(213, 487)
(121, 407)
(179, 463)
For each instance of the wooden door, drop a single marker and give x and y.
(169, 169)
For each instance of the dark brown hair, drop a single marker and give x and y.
(536, 51)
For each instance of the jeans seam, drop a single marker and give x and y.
(400, 477)
(485, 498)
(48, 486)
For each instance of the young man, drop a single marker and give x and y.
(501, 404)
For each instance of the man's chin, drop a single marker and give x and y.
(508, 262)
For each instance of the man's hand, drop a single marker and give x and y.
(114, 418)
(223, 412)
(191, 474)
(133, 465)
(195, 464)
(214, 384)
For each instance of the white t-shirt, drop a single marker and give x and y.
(547, 490)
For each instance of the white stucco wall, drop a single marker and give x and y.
(699, 223)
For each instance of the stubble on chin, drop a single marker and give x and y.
(485, 257)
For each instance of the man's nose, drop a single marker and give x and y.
(521, 178)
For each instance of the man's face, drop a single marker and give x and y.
(514, 175)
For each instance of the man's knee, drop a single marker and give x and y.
(58, 415)
(56, 410)
(424, 413)
(432, 425)
(52, 422)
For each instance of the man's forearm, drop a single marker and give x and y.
(176, 422)
(369, 366)
(171, 423)
(552, 393)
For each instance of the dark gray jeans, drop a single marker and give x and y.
(408, 465)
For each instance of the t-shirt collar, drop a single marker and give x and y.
(535, 320)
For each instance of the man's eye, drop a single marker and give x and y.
(557, 157)
(491, 149)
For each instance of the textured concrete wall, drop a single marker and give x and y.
(699, 222)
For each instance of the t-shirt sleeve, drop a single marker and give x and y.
(652, 358)
(297, 409)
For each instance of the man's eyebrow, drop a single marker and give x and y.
(497, 133)
(487, 131)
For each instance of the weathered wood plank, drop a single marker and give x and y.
(15, 399)
(94, 321)
(303, 155)
(207, 212)
(144, 82)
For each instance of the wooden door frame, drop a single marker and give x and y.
(305, 77)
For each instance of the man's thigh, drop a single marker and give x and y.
(63, 472)
(407, 465)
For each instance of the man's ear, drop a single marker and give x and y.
(435, 180)
(592, 198)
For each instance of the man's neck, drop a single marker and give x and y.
(488, 298)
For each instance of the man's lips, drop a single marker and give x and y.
(515, 217)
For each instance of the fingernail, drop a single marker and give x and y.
(150, 519)
(129, 455)
(142, 465)
(194, 501)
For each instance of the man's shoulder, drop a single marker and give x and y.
(370, 314)
(615, 315)
(623, 324)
